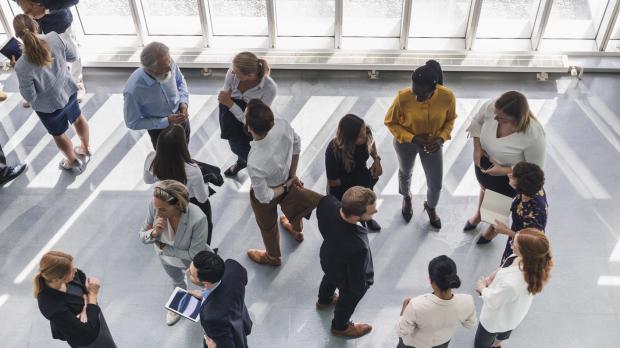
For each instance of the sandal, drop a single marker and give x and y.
(78, 151)
(75, 167)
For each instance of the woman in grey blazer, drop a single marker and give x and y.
(178, 231)
(46, 83)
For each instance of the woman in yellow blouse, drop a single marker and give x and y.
(421, 119)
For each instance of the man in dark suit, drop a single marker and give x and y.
(345, 257)
(224, 316)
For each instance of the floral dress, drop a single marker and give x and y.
(530, 214)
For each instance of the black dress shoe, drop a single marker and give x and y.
(373, 225)
(12, 173)
(407, 210)
(469, 226)
(235, 168)
(483, 240)
(434, 219)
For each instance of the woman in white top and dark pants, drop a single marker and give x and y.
(172, 161)
(505, 132)
(248, 78)
(428, 321)
(177, 230)
(508, 292)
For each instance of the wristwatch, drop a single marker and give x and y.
(285, 188)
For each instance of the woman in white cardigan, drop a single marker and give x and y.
(428, 321)
(172, 161)
(504, 132)
(508, 292)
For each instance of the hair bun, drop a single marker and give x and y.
(453, 281)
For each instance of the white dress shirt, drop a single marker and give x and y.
(429, 321)
(266, 91)
(528, 146)
(195, 183)
(506, 300)
(269, 160)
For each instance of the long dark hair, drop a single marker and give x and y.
(344, 145)
(171, 155)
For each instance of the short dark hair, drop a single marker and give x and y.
(530, 178)
(356, 199)
(442, 271)
(209, 266)
(258, 116)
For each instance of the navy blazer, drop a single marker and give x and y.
(224, 316)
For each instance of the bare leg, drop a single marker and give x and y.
(64, 144)
(496, 343)
(474, 220)
(82, 130)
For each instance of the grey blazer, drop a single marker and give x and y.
(191, 236)
(48, 88)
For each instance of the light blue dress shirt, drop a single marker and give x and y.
(206, 292)
(148, 102)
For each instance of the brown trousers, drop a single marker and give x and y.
(296, 204)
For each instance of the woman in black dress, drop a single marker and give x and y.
(68, 299)
(346, 160)
(529, 207)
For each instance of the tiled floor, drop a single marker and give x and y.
(96, 215)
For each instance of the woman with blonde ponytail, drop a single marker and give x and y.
(46, 83)
(68, 299)
(248, 78)
(508, 292)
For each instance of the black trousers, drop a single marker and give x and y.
(241, 148)
(347, 301)
(154, 133)
(402, 344)
(206, 208)
(485, 339)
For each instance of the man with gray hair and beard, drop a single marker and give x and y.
(156, 94)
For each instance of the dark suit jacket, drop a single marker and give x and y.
(61, 309)
(224, 316)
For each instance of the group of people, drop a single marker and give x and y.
(509, 152)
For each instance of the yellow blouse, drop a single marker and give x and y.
(408, 117)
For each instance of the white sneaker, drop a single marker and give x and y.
(26, 104)
(172, 318)
(81, 92)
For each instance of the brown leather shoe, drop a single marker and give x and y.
(261, 257)
(353, 330)
(432, 216)
(298, 236)
(333, 302)
(407, 210)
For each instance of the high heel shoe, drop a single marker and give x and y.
(434, 219)
(469, 226)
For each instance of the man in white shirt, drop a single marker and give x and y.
(272, 166)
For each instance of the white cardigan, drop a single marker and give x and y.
(528, 146)
(195, 184)
(506, 300)
(429, 321)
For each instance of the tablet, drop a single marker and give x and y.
(183, 303)
(11, 48)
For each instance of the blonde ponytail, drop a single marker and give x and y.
(53, 265)
(36, 50)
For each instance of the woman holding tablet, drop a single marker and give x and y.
(178, 231)
(68, 299)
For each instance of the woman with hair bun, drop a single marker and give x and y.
(248, 78)
(421, 119)
(508, 292)
(428, 321)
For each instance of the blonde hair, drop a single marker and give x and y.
(36, 50)
(515, 105)
(173, 193)
(248, 63)
(53, 265)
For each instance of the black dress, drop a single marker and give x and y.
(359, 175)
(530, 214)
(62, 308)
